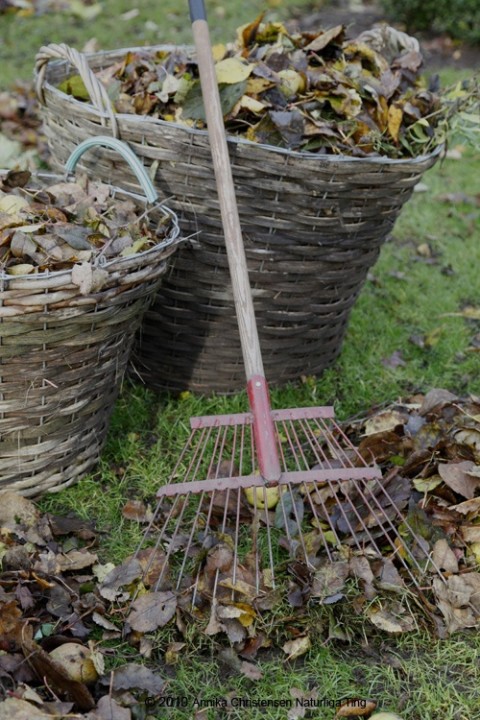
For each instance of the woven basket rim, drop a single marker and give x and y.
(233, 139)
(173, 238)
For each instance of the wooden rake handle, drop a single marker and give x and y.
(264, 430)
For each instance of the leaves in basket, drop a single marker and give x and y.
(312, 91)
(69, 225)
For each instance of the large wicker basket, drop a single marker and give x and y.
(313, 226)
(63, 353)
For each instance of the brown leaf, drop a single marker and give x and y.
(17, 709)
(325, 38)
(151, 611)
(137, 510)
(76, 560)
(172, 653)
(444, 558)
(153, 561)
(109, 709)
(381, 446)
(468, 507)
(71, 525)
(389, 578)
(436, 399)
(11, 626)
(392, 622)
(134, 676)
(470, 533)
(456, 476)
(121, 576)
(384, 421)
(16, 510)
(329, 580)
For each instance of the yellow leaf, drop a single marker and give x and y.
(387, 420)
(395, 117)
(291, 82)
(22, 269)
(232, 70)
(218, 52)
(135, 248)
(12, 204)
(474, 550)
(296, 648)
(256, 85)
(75, 86)
(261, 496)
(251, 104)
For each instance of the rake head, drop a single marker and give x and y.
(219, 530)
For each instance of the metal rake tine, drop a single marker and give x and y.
(372, 540)
(397, 534)
(319, 520)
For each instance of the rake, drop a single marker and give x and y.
(247, 485)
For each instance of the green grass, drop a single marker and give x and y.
(156, 23)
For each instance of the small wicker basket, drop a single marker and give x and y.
(313, 226)
(62, 358)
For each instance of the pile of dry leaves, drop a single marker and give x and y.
(309, 91)
(55, 594)
(59, 225)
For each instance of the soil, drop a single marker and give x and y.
(439, 51)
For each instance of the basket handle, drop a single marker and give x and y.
(125, 151)
(97, 92)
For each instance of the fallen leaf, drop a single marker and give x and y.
(151, 611)
(109, 709)
(394, 623)
(172, 653)
(251, 671)
(394, 361)
(384, 421)
(436, 398)
(16, 709)
(232, 70)
(76, 560)
(137, 510)
(296, 648)
(121, 576)
(444, 558)
(134, 676)
(456, 476)
(329, 580)
(468, 507)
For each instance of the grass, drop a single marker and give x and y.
(408, 299)
(407, 295)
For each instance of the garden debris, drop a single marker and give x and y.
(65, 225)
(307, 91)
(55, 596)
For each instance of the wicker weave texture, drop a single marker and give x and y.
(62, 359)
(313, 226)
